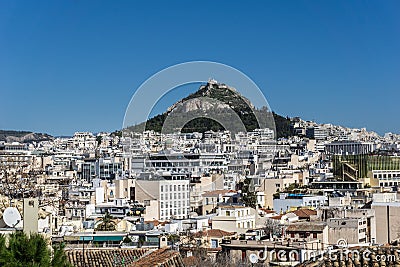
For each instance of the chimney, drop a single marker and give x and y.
(30, 215)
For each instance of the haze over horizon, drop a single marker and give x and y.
(73, 66)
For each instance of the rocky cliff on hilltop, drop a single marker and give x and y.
(23, 136)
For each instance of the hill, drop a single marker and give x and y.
(220, 100)
(23, 136)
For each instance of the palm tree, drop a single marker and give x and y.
(106, 224)
(33, 250)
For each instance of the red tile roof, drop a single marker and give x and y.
(278, 217)
(305, 213)
(161, 257)
(267, 211)
(216, 193)
(133, 257)
(214, 233)
(103, 256)
(156, 222)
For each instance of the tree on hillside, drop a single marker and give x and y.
(20, 250)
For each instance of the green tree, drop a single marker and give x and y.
(59, 257)
(106, 224)
(99, 138)
(20, 250)
(249, 197)
(127, 240)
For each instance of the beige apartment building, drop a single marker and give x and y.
(269, 186)
(387, 221)
(234, 219)
(351, 231)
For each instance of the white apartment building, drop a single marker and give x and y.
(350, 148)
(166, 196)
(189, 163)
(83, 140)
(384, 197)
(287, 201)
(385, 178)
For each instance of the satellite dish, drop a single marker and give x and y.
(253, 258)
(11, 216)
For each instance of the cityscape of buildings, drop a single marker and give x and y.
(199, 133)
(197, 199)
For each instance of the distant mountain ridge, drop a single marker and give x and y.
(226, 99)
(23, 136)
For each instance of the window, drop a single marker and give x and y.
(314, 235)
(244, 255)
(162, 188)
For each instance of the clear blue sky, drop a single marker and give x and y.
(74, 65)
